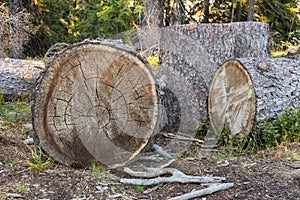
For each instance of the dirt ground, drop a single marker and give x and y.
(272, 174)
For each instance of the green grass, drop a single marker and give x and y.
(270, 133)
(139, 188)
(97, 170)
(17, 111)
(20, 187)
(38, 161)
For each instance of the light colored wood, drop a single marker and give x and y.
(249, 90)
(232, 99)
(176, 176)
(96, 101)
(198, 193)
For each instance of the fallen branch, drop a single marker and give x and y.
(292, 166)
(181, 136)
(176, 176)
(198, 193)
(162, 152)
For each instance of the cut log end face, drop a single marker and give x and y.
(99, 99)
(232, 99)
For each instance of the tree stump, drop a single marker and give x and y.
(97, 100)
(18, 77)
(248, 89)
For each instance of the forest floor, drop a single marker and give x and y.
(272, 174)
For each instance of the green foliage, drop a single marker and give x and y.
(20, 187)
(139, 188)
(289, 125)
(100, 18)
(282, 18)
(74, 20)
(16, 111)
(97, 170)
(202, 128)
(38, 161)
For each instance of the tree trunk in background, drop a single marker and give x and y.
(15, 6)
(96, 101)
(190, 56)
(161, 17)
(18, 77)
(248, 89)
(250, 10)
(206, 12)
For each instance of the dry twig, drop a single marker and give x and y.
(198, 193)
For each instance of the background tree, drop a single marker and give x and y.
(206, 12)
(15, 29)
(250, 10)
(74, 20)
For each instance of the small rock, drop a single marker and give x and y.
(28, 127)
(15, 195)
(29, 141)
(115, 196)
(36, 185)
(101, 189)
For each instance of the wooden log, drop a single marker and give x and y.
(18, 77)
(190, 56)
(247, 90)
(97, 100)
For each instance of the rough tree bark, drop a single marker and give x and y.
(248, 89)
(190, 56)
(96, 101)
(18, 77)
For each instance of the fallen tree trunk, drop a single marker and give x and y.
(246, 90)
(190, 56)
(18, 77)
(97, 100)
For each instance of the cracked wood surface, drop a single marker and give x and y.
(96, 101)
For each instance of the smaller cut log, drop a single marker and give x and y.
(247, 90)
(18, 77)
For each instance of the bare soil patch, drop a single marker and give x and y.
(272, 174)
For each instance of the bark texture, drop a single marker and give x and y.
(97, 100)
(248, 89)
(18, 77)
(190, 56)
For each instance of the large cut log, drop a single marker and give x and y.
(246, 90)
(18, 77)
(190, 56)
(97, 100)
